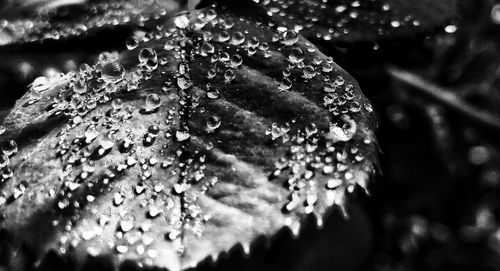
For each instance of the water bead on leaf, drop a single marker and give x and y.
(182, 135)
(151, 64)
(339, 81)
(290, 37)
(229, 75)
(80, 86)
(181, 21)
(309, 72)
(132, 43)
(224, 36)
(213, 122)
(4, 160)
(285, 84)
(329, 87)
(343, 130)
(153, 101)
(296, 55)
(237, 38)
(9, 148)
(40, 84)
(236, 60)
(207, 48)
(184, 82)
(112, 72)
(147, 54)
(212, 92)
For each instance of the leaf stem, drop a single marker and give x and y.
(446, 98)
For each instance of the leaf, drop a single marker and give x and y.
(219, 130)
(353, 20)
(31, 20)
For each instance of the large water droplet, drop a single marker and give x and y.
(40, 84)
(112, 72)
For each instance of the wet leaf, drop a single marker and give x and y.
(28, 21)
(218, 130)
(354, 20)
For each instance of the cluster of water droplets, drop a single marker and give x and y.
(334, 19)
(7, 150)
(321, 163)
(56, 24)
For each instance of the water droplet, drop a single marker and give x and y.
(212, 92)
(132, 43)
(182, 135)
(207, 48)
(4, 160)
(213, 123)
(184, 82)
(9, 148)
(153, 101)
(343, 130)
(296, 55)
(236, 60)
(147, 54)
(127, 223)
(112, 72)
(237, 38)
(80, 86)
(290, 37)
(40, 84)
(181, 21)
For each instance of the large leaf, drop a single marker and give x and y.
(219, 130)
(354, 20)
(31, 20)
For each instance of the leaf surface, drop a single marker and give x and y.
(219, 130)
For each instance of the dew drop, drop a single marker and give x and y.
(343, 130)
(182, 135)
(9, 148)
(112, 72)
(132, 43)
(4, 160)
(290, 37)
(213, 122)
(207, 48)
(181, 21)
(296, 55)
(80, 86)
(153, 101)
(147, 54)
(40, 84)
